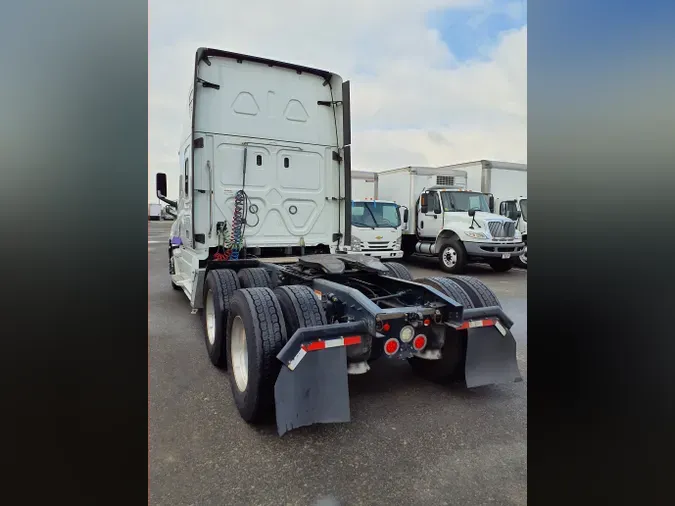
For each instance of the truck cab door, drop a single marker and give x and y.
(430, 214)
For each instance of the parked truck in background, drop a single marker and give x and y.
(449, 219)
(154, 212)
(505, 184)
(376, 224)
(265, 169)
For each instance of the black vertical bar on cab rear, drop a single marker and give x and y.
(348, 195)
(347, 155)
(346, 114)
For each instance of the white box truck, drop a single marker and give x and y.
(506, 184)
(449, 219)
(376, 224)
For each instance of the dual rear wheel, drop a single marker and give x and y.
(246, 327)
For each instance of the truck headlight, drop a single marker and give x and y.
(518, 236)
(356, 243)
(476, 235)
(397, 242)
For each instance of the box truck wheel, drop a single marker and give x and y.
(452, 256)
(521, 260)
(218, 290)
(397, 270)
(256, 334)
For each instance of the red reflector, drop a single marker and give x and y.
(391, 346)
(386, 327)
(316, 345)
(476, 323)
(419, 342)
(427, 322)
(352, 340)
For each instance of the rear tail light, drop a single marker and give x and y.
(391, 346)
(420, 342)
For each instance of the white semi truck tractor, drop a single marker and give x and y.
(505, 184)
(263, 207)
(451, 221)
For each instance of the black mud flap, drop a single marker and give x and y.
(316, 391)
(490, 357)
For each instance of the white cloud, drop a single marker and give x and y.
(413, 103)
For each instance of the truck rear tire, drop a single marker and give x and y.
(452, 257)
(254, 277)
(501, 265)
(300, 307)
(449, 368)
(480, 294)
(397, 270)
(449, 287)
(256, 334)
(218, 289)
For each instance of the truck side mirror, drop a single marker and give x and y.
(424, 205)
(405, 215)
(160, 184)
(491, 203)
(472, 212)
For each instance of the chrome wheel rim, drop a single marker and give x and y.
(449, 257)
(523, 257)
(210, 310)
(239, 353)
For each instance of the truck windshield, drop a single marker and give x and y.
(463, 201)
(375, 215)
(523, 209)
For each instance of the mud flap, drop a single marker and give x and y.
(490, 358)
(316, 391)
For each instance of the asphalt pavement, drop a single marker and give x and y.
(410, 442)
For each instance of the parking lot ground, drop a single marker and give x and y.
(410, 442)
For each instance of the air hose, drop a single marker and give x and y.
(233, 245)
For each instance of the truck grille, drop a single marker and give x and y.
(502, 229)
(377, 245)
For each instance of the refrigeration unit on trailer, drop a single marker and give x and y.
(449, 219)
(376, 224)
(505, 183)
(265, 170)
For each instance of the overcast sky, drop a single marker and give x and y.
(433, 81)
